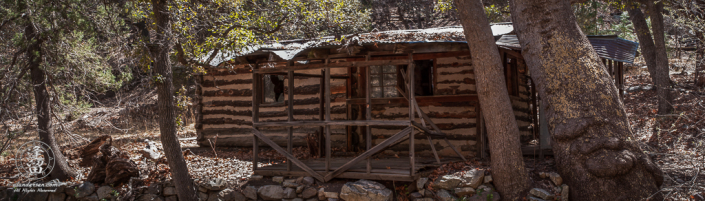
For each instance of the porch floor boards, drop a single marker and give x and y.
(396, 169)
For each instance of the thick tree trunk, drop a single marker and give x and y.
(503, 133)
(654, 52)
(61, 170)
(167, 116)
(699, 59)
(586, 117)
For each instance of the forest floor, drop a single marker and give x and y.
(676, 142)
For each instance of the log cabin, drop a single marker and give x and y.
(405, 93)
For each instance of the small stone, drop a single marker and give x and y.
(278, 179)
(171, 198)
(543, 194)
(289, 193)
(230, 195)
(202, 189)
(290, 184)
(321, 194)
(447, 182)
(295, 199)
(105, 192)
(150, 197)
(477, 177)
(332, 199)
(170, 183)
(415, 195)
(444, 195)
(365, 190)
(309, 192)
(169, 191)
(290, 180)
(331, 195)
(299, 189)
(85, 189)
(256, 177)
(57, 196)
(250, 192)
(488, 179)
(565, 193)
(215, 184)
(464, 191)
(155, 189)
(421, 182)
(300, 180)
(92, 197)
(485, 196)
(308, 181)
(312, 199)
(424, 199)
(484, 188)
(532, 198)
(556, 178)
(648, 87)
(271, 192)
(543, 175)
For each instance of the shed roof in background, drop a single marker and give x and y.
(610, 47)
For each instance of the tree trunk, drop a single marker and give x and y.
(503, 133)
(167, 116)
(586, 118)
(654, 52)
(699, 58)
(61, 170)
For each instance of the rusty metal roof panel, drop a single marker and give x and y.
(608, 47)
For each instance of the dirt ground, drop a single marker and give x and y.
(675, 142)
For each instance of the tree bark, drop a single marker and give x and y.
(586, 118)
(503, 133)
(61, 170)
(654, 51)
(699, 58)
(160, 50)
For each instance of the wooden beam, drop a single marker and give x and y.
(327, 108)
(379, 147)
(411, 69)
(368, 114)
(281, 151)
(290, 112)
(308, 75)
(255, 117)
(421, 100)
(333, 65)
(334, 123)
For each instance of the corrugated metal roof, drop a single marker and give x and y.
(608, 47)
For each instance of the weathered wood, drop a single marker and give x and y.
(335, 123)
(368, 114)
(255, 118)
(332, 65)
(379, 147)
(421, 100)
(410, 86)
(310, 75)
(327, 109)
(281, 151)
(290, 118)
(620, 78)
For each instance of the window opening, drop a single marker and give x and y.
(273, 88)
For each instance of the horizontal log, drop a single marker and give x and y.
(464, 81)
(421, 100)
(228, 92)
(333, 123)
(332, 65)
(454, 64)
(459, 92)
(462, 72)
(221, 82)
(341, 109)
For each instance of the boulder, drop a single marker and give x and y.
(83, 190)
(463, 191)
(169, 191)
(415, 196)
(256, 177)
(447, 182)
(278, 179)
(229, 195)
(289, 193)
(444, 195)
(473, 178)
(271, 192)
(309, 192)
(365, 190)
(215, 184)
(543, 194)
(565, 194)
(106, 192)
(250, 192)
(556, 178)
(92, 197)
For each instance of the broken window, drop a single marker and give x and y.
(383, 81)
(273, 88)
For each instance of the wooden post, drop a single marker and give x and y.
(412, 102)
(255, 116)
(620, 77)
(348, 111)
(368, 113)
(327, 108)
(321, 114)
(291, 117)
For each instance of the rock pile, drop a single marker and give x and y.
(561, 190)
